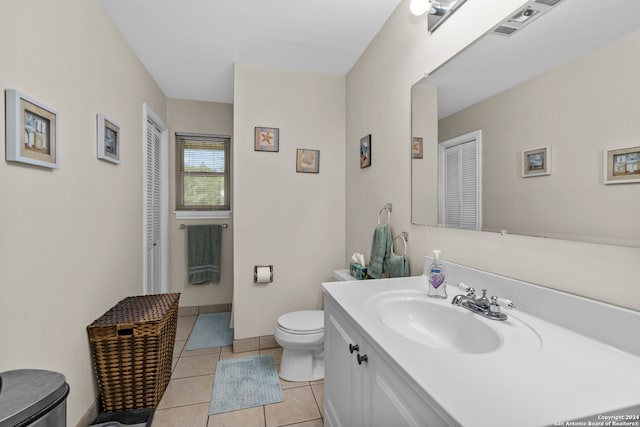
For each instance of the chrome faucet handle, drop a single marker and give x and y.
(471, 293)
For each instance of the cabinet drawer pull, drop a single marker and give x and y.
(362, 358)
(353, 348)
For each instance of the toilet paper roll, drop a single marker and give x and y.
(263, 274)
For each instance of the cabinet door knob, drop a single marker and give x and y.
(353, 348)
(362, 358)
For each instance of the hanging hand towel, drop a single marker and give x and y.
(203, 248)
(380, 251)
(398, 265)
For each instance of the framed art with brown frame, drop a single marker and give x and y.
(417, 150)
(622, 165)
(365, 151)
(32, 131)
(108, 140)
(307, 161)
(266, 139)
(536, 162)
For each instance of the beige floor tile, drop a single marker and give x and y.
(177, 348)
(290, 384)
(316, 382)
(318, 393)
(314, 423)
(246, 344)
(268, 341)
(299, 405)
(215, 351)
(182, 332)
(183, 416)
(275, 352)
(226, 349)
(216, 308)
(188, 311)
(185, 321)
(187, 391)
(225, 356)
(251, 417)
(195, 365)
(174, 363)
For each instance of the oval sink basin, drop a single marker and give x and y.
(417, 317)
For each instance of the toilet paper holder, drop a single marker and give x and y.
(255, 273)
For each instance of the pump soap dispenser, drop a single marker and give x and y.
(437, 277)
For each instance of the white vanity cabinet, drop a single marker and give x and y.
(372, 393)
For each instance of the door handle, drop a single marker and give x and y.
(353, 348)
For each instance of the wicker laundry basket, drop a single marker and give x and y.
(132, 347)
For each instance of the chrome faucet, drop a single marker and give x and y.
(486, 307)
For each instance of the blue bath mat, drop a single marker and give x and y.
(211, 330)
(244, 383)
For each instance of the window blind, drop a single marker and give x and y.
(202, 172)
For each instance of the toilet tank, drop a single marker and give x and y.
(342, 275)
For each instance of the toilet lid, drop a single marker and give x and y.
(302, 322)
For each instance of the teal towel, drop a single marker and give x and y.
(203, 249)
(380, 251)
(398, 265)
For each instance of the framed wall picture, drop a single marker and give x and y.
(307, 161)
(32, 131)
(536, 162)
(267, 139)
(622, 166)
(365, 151)
(108, 140)
(417, 148)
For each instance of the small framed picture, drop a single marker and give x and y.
(32, 131)
(622, 166)
(365, 151)
(307, 161)
(267, 139)
(536, 162)
(416, 148)
(108, 140)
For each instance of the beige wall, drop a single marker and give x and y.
(378, 102)
(70, 239)
(205, 118)
(294, 221)
(580, 109)
(424, 195)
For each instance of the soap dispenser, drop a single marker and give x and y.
(436, 275)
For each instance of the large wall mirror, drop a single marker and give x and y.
(550, 100)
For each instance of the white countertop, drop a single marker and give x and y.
(565, 376)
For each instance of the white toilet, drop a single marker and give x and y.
(301, 335)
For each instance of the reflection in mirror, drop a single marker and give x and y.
(566, 83)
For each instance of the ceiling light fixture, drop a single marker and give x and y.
(420, 7)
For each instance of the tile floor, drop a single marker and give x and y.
(186, 400)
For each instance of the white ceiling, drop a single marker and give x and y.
(189, 46)
(496, 63)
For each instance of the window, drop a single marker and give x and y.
(202, 172)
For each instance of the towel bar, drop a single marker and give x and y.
(387, 207)
(183, 226)
(404, 236)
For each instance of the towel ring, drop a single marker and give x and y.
(404, 236)
(387, 207)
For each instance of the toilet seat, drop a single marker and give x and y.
(305, 322)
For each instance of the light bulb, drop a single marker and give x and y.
(419, 7)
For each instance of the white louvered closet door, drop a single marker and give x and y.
(153, 206)
(462, 207)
